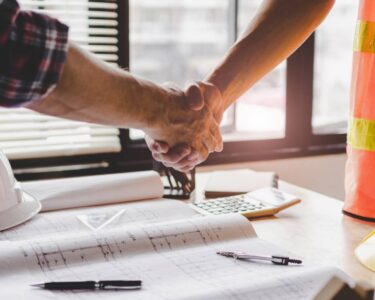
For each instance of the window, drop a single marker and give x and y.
(288, 113)
(178, 40)
(184, 40)
(332, 70)
(260, 112)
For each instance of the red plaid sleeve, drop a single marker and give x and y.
(32, 54)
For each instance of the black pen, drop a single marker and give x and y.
(91, 285)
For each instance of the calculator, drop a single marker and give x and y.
(259, 203)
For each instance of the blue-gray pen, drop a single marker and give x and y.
(275, 259)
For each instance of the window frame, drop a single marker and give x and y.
(299, 139)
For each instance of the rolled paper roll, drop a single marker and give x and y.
(73, 192)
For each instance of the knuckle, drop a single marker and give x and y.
(154, 147)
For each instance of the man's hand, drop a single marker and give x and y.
(181, 157)
(184, 156)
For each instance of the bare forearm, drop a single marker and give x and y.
(278, 29)
(90, 90)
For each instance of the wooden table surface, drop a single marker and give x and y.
(315, 230)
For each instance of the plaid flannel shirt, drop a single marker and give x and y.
(32, 54)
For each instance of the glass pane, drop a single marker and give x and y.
(333, 64)
(260, 112)
(178, 41)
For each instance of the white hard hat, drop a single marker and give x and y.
(16, 206)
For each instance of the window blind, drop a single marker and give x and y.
(27, 134)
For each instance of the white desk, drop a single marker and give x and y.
(316, 230)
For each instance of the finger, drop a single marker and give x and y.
(156, 156)
(168, 165)
(160, 147)
(210, 142)
(186, 169)
(216, 134)
(175, 155)
(189, 161)
(181, 168)
(218, 113)
(195, 100)
(189, 164)
(156, 146)
(193, 156)
(203, 155)
(213, 99)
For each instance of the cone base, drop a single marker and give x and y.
(367, 219)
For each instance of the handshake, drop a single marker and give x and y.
(183, 128)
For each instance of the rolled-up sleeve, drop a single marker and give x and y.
(33, 50)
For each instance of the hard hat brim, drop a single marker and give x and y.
(19, 213)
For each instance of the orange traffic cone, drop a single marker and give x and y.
(360, 166)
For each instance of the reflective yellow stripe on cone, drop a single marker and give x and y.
(361, 134)
(365, 37)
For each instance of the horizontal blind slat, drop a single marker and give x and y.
(77, 31)
(107, 57)
(58, 13)
(74, 23)
(28, 135)
(100, 48)
(58, 141)
(71, 4)
(23, 115)
(94, 40)
(64, 150)
(46, 125)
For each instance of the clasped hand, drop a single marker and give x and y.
(188, 129)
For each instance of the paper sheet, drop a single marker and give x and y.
(175, 259)
(65, 193)
(66, 222)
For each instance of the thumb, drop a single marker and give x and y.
(195, 100)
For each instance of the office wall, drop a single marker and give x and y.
(324, 174)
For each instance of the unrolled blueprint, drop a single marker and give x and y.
(162, 243)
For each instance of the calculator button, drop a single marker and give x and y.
(233, 204)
